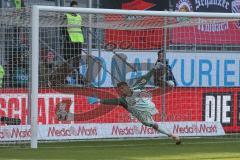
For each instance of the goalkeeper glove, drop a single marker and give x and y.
(93, 100)
(159, 65)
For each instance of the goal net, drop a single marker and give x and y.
(196, 91)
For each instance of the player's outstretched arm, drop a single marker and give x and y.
(114, 101)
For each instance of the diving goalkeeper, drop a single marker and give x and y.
(135, 100)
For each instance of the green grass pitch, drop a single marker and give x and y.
(148, 149)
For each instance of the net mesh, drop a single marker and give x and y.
(201, 53)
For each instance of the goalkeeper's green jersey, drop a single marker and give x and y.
(141, 100)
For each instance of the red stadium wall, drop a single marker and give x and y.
(136, 38)
(182, 104)
(215, 32)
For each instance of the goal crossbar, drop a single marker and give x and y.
(137, 12)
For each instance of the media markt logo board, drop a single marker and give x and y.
(15, 132)
(131, 130)
(195, 129)
(71, 131)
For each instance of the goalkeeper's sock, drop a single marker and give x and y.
(70, 117)
(163, 131)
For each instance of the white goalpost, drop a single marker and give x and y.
(34, 78)
(200, 97)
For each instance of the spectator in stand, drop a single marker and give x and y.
(74, 39)
(15, 36)
(2, 73)
(18, 4)
(170, 80)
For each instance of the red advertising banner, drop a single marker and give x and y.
(206, 32)
(182, 104)
(219, 33)
(136, 38)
